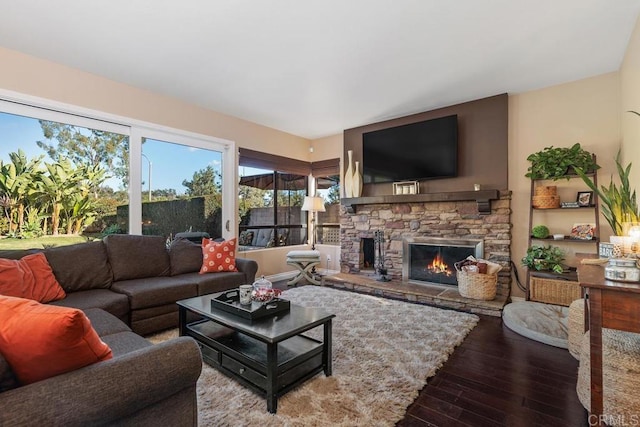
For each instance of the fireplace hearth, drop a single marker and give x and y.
(430, 260)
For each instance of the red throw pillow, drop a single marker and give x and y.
(29, 277)
(40, 341)
(218, 256)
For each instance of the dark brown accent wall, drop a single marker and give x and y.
(482, 146)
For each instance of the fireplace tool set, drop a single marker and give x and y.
(378, 237)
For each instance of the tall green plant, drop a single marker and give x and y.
(619, 204)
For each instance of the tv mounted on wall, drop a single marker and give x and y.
(417, 151)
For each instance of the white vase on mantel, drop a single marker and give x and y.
(357, 181)
(348, 176)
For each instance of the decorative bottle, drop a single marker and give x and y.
(357, 181)
(348, 176)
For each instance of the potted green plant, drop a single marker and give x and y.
(543, 258)
(619, 204)
(557, 162)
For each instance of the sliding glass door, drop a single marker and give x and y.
(181, 184)
(63, 173)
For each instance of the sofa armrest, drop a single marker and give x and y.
(107, 391)
(249, 267)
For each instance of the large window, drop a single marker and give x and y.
(181, 189)
(269, 208)
(72, 173)
(326, 175)
(61, 178)
(271, 193)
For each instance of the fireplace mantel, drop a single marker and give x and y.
(482, 198)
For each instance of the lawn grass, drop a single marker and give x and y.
(41, 242)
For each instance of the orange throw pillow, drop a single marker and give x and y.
(40, 341)
(218, 256)
(29, 277)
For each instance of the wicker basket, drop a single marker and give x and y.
(477, 285)
(576, 327)
(546, 190)
(553, 291)
(545, 202)
(620, 376)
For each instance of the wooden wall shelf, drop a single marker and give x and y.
(482, 198)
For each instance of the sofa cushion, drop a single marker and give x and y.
(136, 257)
(218, 256)
(125, 342)
(155, 291)
(211, 283)
(81, 266)
(262, 237)
(105, 323)
(105, 299)
(18, 253)
(246, 237)
(185, 256)
(30, 277)
(8, 379)
(40, 340)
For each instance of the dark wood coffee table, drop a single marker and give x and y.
(270, 355)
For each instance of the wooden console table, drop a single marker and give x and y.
(608, 304)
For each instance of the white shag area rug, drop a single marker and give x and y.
(546, 323)
(383, 353)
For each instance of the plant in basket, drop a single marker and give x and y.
(558, 162)
(543, 258)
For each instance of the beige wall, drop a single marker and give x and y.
(630, 94)
(329, 147)
(37, 77)
(586, 111)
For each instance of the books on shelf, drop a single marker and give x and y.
(569, 205)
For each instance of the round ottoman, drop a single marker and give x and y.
(620, 376)
(541, 322)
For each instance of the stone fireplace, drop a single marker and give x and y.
(482, 225)
(430, 260)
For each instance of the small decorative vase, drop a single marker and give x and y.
(348, 176)
(357, 181)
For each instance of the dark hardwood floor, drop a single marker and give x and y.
(499, 378)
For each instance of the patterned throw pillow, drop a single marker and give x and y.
(41, 340)
(29, 277)
(218, 256)
(245, 238)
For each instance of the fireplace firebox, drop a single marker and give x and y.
(429, 260)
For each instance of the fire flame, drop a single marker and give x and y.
(438, 266)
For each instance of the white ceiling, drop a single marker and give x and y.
(316, 67)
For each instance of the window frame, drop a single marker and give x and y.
(45, 109)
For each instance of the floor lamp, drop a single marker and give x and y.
(313, 204)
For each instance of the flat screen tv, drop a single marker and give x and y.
(417, 151)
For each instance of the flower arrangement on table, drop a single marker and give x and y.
(265, 295)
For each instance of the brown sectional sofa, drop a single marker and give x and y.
(136, 278)
(142, 385)
(119, 282)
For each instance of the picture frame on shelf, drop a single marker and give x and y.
(583, 231)
(584, 198)
(406, 187)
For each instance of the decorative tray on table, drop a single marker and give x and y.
(229, 301)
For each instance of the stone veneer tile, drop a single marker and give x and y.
(435, 219)
(424, 294)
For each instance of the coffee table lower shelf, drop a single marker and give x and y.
(246, 359)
